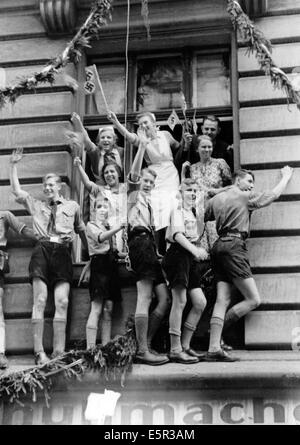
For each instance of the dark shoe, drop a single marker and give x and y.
(148, 358)
(3, 361)
(41, 358)
(156, 353)
(182, 357)
(193, 353)
(219, 356)
(225, 347)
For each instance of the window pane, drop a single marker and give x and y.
(112, 78)
(159, 83)
(211, 81)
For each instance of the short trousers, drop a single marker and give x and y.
(230, 259)
(182, 270)
(104, 280)
(143, 258)
(51, 262)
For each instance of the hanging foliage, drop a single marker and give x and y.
(112, 361)
(99, 15)
(145, 15)
(259, 45)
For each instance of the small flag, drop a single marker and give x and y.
(173, 120)
(93, 85)
(89, 84)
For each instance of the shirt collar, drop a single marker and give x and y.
(59, 200)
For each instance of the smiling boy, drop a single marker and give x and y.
(144, 259)
(55, 222)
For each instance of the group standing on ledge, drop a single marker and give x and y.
(172, 229)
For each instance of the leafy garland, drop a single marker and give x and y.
(112, 361)
(262, 48)
(99, 15)
(145, 15)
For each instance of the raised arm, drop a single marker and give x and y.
(131, 137)
(83, 176)
(135, 170)
(182, 154)
(79, 135)
(14, 180)
(264, 199)
(286, 174)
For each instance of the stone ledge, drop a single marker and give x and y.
(256, 369)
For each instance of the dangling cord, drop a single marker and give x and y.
(125, 230)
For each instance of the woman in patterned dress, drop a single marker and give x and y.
(210, 175)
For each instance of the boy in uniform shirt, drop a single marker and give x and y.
(185, 263)
(144, 259)
(55, 222)
(104, 279)
(231, 209)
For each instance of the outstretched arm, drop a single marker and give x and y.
(80, 134)
(83, 176)
(286, 174)
(135, 170)
(266, 198)
(109, 233)
(14, 180)
(131, 137)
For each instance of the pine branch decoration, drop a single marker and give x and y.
(99, 16)
(113, 361)
(145, 15)
(259, 45)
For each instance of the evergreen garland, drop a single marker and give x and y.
(145, 15)
(112, 361)
(99, 15)
(259, 45)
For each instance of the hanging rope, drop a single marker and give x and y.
(125, 230)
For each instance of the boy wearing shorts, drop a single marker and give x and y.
(104, 284)
(185, 263)
(144, 260)
(55, 222)
(231, 209)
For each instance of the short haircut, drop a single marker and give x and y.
(148, 114)
(150, 171)
(101, 199)
(188, 182)
(213, 118)
(50, 176)
(115, 165)
(109, 128)
(204, 137)
(241, 173)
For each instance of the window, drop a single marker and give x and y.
(113, 82)
(159, 83)
(211, 81)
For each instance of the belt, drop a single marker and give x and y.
(139, 231)
(241, 235)
(54, 240)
